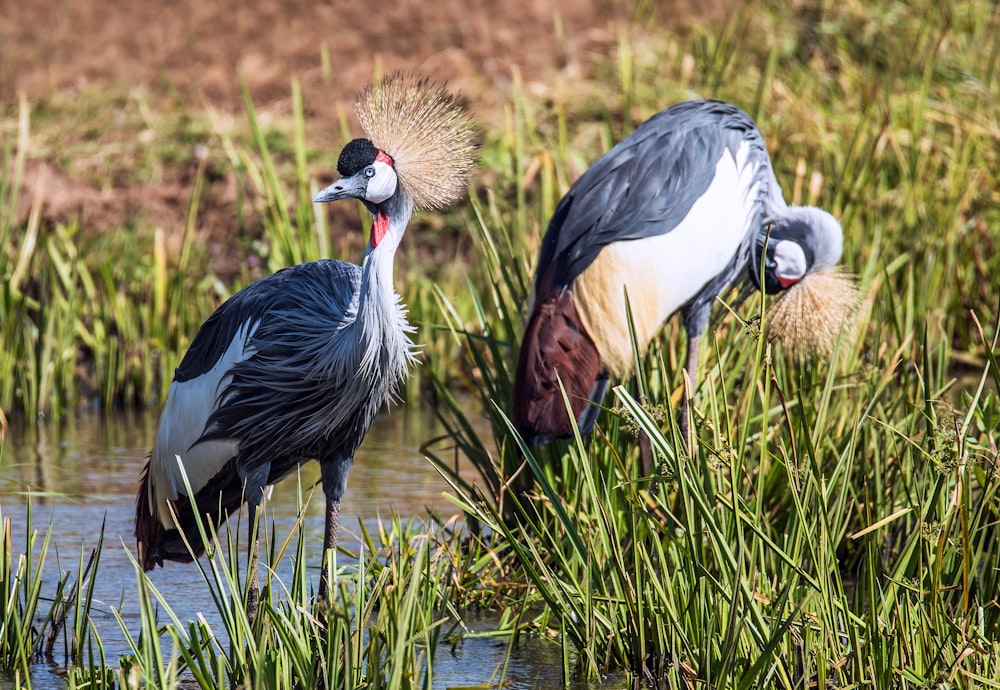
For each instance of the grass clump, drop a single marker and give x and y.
(393, 604)
(36, 624)
(389, 610)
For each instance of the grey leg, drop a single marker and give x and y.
(685, 422)
(254, 484)
(334, 471)
(329, 542)
(253, 551)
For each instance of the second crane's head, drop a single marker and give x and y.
(802, 241)
(797, 256)
(419, 151)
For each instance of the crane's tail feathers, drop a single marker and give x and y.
(158, 543)
(556, 349)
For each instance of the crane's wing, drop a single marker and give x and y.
(236, 332)
(644, 186)
(293, 309)
(273, 294)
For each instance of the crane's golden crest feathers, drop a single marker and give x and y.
(427, 132)
(809, 316)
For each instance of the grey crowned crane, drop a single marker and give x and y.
(672, 215)
(296, 366)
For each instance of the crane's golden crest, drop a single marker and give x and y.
(427, 132)
(809, 316)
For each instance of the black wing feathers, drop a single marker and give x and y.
(282, 290)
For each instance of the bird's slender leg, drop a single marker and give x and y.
(334, 470)
(685, 422)
(254, 483)
(253, 556)
(329, 545)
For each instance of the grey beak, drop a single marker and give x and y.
(343, 188)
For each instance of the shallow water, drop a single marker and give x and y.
(83, 474)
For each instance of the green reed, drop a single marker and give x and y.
(85, 321)
(389, 609)
(43, 620)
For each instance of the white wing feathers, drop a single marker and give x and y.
(189, 405)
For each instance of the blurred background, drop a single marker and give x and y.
(119, 93)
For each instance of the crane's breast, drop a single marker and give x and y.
(662, 272)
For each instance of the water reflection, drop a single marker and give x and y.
(84, 474)
(95, 459)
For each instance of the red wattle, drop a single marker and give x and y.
(379, 228)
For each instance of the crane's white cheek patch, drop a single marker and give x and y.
(383, 184)
(791, 262)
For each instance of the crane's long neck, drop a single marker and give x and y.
(389, 223)
(384, 330)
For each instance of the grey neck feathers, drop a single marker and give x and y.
(381, 317)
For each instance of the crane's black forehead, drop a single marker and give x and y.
(797, 231)
(792, 229)
(356, 155)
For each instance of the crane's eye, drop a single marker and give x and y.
(381, 182)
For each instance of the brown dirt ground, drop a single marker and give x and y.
(197, 51)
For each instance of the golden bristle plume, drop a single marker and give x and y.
(427, 132)
(809, 316)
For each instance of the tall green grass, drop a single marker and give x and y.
(42, 620)
(393, 604)
(89, 321)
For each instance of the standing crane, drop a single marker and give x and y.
(662, 223)
(296, 366)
